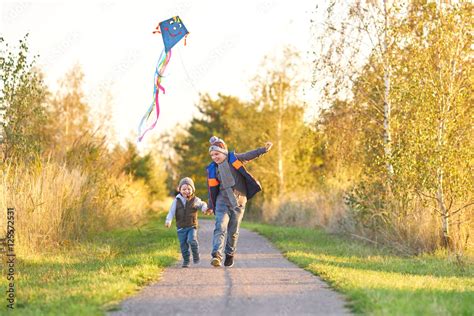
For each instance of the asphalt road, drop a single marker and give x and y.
(261, 282)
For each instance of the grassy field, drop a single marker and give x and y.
(376, 281)
(90, 278)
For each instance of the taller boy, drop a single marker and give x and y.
(230, 186)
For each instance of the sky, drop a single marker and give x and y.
(114, 44)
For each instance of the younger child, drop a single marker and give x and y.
(184, 208)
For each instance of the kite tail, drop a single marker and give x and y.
(163, 61)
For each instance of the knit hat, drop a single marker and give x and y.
(218, 144)
(187, 181)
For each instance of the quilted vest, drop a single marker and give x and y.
(186, 216)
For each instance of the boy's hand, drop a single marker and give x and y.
(208, 211)
(268, 146)
(167, 224)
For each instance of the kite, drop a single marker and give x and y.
(172, 31)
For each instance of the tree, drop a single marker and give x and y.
(191, 145)
(148, 167)
(430, 122)
(352, 34)
(70, 110)
(437, 103)
(341, 131)
(280, 114)
(22, 98)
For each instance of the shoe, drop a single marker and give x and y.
(196, 258)
(216, 262)
(185, 264)
(229, 261)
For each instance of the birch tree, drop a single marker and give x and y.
(348, 37)
(275, 90)
(436, 106)
(430, 126)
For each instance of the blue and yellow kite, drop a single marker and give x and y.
(172, 31)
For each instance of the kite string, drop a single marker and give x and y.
(186, 72)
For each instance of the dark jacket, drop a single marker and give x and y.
(236, 161)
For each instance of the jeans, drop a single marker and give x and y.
(188, 237)
(227, 221)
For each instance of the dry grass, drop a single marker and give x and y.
(307, 210)
(410, 230)
(55, 205)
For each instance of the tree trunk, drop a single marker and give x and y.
(439, 175)
(387, 137)
(444, 107)
(444, 211)
(3, 110)
(281, 180)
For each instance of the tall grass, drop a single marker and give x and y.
(56, 204)
(307, 210)
(417, 231)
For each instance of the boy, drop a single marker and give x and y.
(230, 186)
(184, 208)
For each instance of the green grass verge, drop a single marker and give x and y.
(92, 277)
(376, 281)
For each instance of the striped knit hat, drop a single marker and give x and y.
(218, 144)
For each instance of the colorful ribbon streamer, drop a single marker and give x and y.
(163, 61)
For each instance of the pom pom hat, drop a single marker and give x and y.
(218, 144)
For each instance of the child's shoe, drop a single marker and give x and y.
(196, 259)
(185, 264)
(229, 261)
(216, 262)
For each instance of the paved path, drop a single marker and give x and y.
(261, 282)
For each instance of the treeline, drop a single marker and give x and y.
(59, 168)
(390, 158)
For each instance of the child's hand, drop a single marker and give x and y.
(167, 224)
(268, 146)
(208, 211)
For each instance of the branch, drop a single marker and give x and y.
(461, 208)
(426, 195)
(364, 238)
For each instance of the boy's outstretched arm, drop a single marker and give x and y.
(253, 154)
(171, 212)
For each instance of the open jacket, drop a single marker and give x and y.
(235, 161)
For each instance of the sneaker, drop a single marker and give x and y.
(216, 262)
(196, 258)
(229, 261)
(185, 264)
